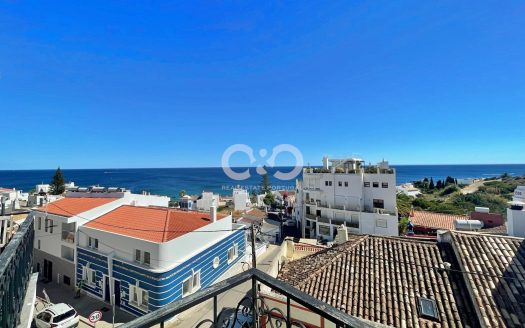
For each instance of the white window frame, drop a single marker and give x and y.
(235, 249)
(139, 292)
(87, 275)
(192, 287)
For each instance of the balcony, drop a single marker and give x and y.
(242, 313)
(68, 236)
(16, 263)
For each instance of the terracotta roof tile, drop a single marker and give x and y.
(380, 279)
(71, 206)
(154, 224)
(435, 220)
(501, 301)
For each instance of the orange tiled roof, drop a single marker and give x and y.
(435, 220)
(154, 224)
(71, 206)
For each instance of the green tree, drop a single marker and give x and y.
(265, 183)
(431, 184)
(269, 199)
(57, 185)
(182, 193)
(439, 184)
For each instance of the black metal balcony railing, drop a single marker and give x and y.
(242, 315)
(15, 270)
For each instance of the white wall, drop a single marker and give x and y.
(164, 256)
(516, 223)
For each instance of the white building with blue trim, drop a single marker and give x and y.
(142, 258)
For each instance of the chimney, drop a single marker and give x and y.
(213, 213)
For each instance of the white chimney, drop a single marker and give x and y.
(213, 213)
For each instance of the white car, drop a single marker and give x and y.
(57, 316)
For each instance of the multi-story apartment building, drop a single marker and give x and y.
(56, 226)
(516, 213)
(345, 191)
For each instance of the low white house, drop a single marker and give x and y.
(10, 200)
(241, 199)
(408, 189)
(57, 223)
(207, 200)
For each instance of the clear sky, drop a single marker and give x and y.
(103, 84)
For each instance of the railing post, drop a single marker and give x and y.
(254, 281)
(288, 318)
(215, 311)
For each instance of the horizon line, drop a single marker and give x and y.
(218, 167)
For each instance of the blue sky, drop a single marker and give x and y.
(121, 84)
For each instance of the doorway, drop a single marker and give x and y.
(48, 270)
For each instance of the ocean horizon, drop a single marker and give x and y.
(170, 181)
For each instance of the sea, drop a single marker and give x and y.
(171, 181)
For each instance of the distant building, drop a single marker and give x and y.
(186, 203)
(516, 213)
(9, 200)
(57, 223)
(345, 191)
(207, 200)
(148, 257)
(241, 199)
(429, 223)
(408, 189)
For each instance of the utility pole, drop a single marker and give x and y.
(254, 281)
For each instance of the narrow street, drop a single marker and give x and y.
(229, 299)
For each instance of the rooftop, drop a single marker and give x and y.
(382, 279)
(72, 206)
(156, 224)
(435, 220)
(497, 278)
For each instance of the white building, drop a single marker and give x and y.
(408, 189)
(241, 199)
(516, 213)
(344, 191)
(207, 200)
(182, 252)
(10, 200)
(57, 223)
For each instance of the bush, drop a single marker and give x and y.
(449, 190)
(403, 225)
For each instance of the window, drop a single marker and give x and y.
(367, 184)
(93, 242)
(346, 183)
(384, 185)
(324, 230)
(137, 255)
(191, 284)
(138, 297)
(50, 226)
(379, 203)
(67, 280)
(89, 275)
(326, 183)
(375, 184)
(39, 223)
(340, 183)
(38, 243)
(46, 224)
(427, 308)
(217, 260)
(381, 223)
(354, 221)
(233, 253)
(329, 183)
(146, 258)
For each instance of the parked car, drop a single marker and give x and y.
(57, 316)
